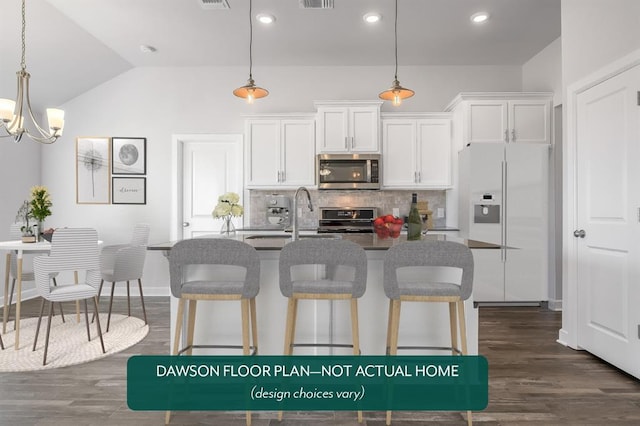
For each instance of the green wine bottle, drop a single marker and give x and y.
(414, 221)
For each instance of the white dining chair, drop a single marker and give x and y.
(72, 249)
(125, 263)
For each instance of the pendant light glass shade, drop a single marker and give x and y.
(396, 93)
(250, 91)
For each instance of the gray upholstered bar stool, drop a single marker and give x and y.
(344, 278)
(428, 271)
(217, 252)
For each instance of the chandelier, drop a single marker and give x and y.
(396, 93)
(250, 91)
(12, 113)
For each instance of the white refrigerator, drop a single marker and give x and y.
(504, 200)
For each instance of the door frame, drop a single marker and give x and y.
(177, 149)
(568, 334)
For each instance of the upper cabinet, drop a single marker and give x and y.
(280, 151)
(416, 151)
(504, 117)
(348, 126)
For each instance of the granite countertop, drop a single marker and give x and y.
(367, 241)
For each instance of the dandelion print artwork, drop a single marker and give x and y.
(92, 170)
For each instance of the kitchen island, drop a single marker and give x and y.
(322, 321)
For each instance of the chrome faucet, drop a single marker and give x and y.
(294, 222)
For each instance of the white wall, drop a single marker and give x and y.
(158, 102)
(543, 72)
(595, 33)
(19, 171)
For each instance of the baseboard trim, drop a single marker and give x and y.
(504, 304)
(555, 305)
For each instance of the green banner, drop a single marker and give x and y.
(307, 382)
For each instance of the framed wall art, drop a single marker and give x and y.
(129, 156)
(129, 190)
(92, 170)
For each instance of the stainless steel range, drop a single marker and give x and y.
(347, 219)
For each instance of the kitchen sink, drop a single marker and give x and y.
(268, 236)
(288, 237)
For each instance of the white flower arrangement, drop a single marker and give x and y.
(228, 206)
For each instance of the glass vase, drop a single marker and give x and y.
(38, 229)
(227, 226)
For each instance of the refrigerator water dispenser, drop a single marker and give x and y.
(486, 213)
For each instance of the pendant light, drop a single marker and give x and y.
(13, 114)
(250, 91)
(396, 93)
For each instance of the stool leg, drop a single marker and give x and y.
(254, 325)
(191, 325)
(288, 331)
(355, 336)
(293, 326)
(244, 305)
(453, 325)
(463, 341)
(176, 344)
(389, 315)
(393, 340)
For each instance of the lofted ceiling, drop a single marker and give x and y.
(73, 45)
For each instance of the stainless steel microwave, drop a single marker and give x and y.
(348, 171)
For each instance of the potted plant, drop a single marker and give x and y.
(40, 205)
(23, 215)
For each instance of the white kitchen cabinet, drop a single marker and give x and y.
(504, 117)
(416, 151)
(348, 126)
(280, 151)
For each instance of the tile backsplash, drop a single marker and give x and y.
(384, 200)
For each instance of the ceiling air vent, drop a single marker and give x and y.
(214, 4)
(316, 4)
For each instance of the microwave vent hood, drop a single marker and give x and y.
(316, 4)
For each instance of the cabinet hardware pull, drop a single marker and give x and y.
(513, 135)
(579, 233)
(506, 135)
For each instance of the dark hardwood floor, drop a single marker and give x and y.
(532, 381)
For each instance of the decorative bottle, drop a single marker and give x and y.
(414, 220)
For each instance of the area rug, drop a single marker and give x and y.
(68, 344)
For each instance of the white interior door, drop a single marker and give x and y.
(607, 215)
(211, 166)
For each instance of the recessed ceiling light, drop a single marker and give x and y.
(372, 17)
(145, 48)
(265, 18)
(480, 17)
